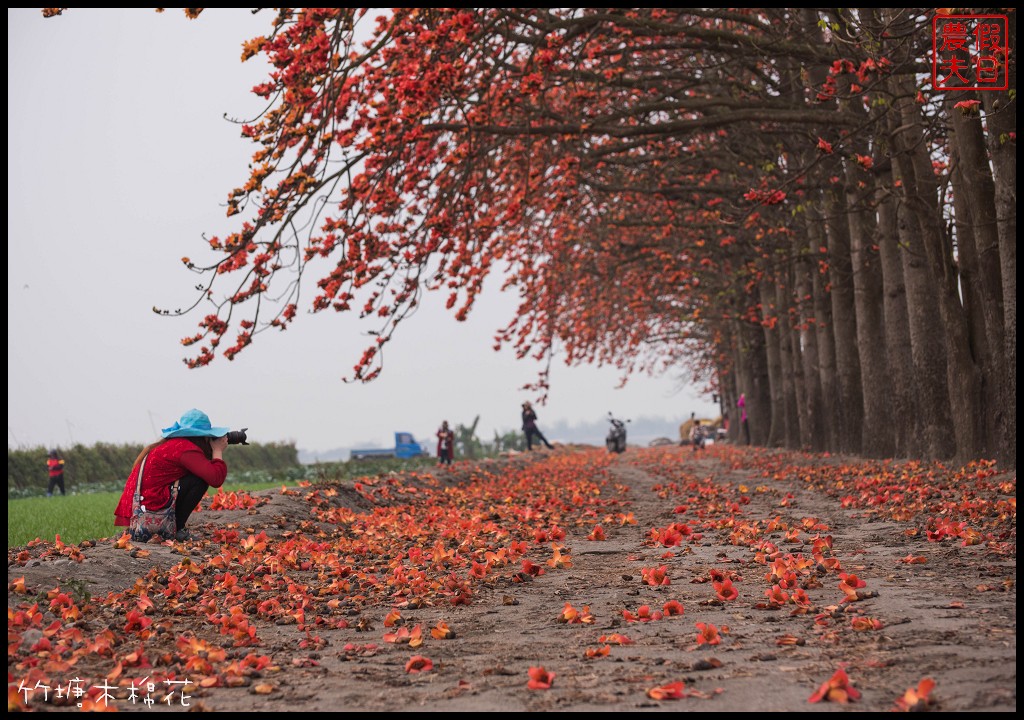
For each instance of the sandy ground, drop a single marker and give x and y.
(317, 613)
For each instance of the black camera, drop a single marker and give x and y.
(237, 437)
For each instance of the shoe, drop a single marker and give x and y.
(184, 535)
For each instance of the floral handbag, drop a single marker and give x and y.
(147, 523)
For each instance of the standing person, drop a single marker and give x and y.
(55, 466)
(530, 427)
(744, 423)
(445, 444)
(697, 436)
(180, 468)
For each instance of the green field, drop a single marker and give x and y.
(90, 515)
(86, 516)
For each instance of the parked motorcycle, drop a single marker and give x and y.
(616, 440)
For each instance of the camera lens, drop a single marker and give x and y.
(237, 437)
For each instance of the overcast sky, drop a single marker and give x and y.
(119, 159)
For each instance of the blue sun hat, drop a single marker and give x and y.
(194, 423)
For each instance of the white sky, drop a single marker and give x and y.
(119, 159)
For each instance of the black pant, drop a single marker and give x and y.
(56, 481)
(531, 433)
(190, 492)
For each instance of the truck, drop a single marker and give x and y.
(405, 447)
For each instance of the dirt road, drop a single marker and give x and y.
(658, 580)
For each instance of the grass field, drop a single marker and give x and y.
(90, 515)
(75, 518)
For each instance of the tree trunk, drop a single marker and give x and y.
(756, 387)
(907, 430)
(876, 383)
(727, 388)
(1001, 117)
(801, 431)
(750, 356)
(964, 380)
(812, 418)
(770, 323)
(727, 371)
(844, 326)
(927, 338)
(797, 430)
(792, 374)
(973, 279)
(825, 335)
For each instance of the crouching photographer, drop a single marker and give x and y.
(171, 476)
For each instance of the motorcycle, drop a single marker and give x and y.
(616, 440)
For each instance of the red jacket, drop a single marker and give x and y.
(56, 466)
(446, 444)
(165, 465)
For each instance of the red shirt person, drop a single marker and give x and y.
(55, 467)
(191, 455)
(445, 444)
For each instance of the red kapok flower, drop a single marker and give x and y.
(672, 691)
(836, 689)
(968, 106)
(707, 633)
(418, 663)
(916, 699)
(540, 679)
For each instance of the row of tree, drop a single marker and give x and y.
(776, 199)
(108, 465)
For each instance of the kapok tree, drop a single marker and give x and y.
(655, 184)
(452, 139)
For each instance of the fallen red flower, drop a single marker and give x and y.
(916, 699)
(418, 663)
(836, 689)
(540, 679)
(672, 691)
